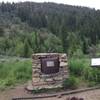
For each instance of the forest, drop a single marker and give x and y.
(29, 27)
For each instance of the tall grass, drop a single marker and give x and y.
(14, 71)
(81, 67)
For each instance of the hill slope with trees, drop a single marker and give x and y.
(47, 27)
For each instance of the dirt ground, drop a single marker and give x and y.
(19, 91)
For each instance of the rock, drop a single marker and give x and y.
(29, 87)
(58, 78)
(35, 80)
(63, 64)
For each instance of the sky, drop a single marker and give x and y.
(87, 3)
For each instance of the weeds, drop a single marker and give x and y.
(81, 67)
(14, 71)
(71, 83)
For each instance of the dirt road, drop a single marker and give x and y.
(19, 91)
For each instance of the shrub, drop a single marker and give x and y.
(76, 66)
(81, 68)
(70, 83)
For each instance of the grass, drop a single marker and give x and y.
(82, 68)
(14, 71)
(71, 83)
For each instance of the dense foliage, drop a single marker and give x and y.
(81, 68)
(70, 83)
(47, 27)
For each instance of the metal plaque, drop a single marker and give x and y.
(50, 65)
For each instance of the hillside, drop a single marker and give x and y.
(47, 27)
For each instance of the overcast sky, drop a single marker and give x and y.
(88, 3)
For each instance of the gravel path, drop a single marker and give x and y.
(19, 91)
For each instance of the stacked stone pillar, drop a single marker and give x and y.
(41, 80)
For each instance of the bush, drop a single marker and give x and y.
(76, 66)
(70, 83)
(81, 68)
